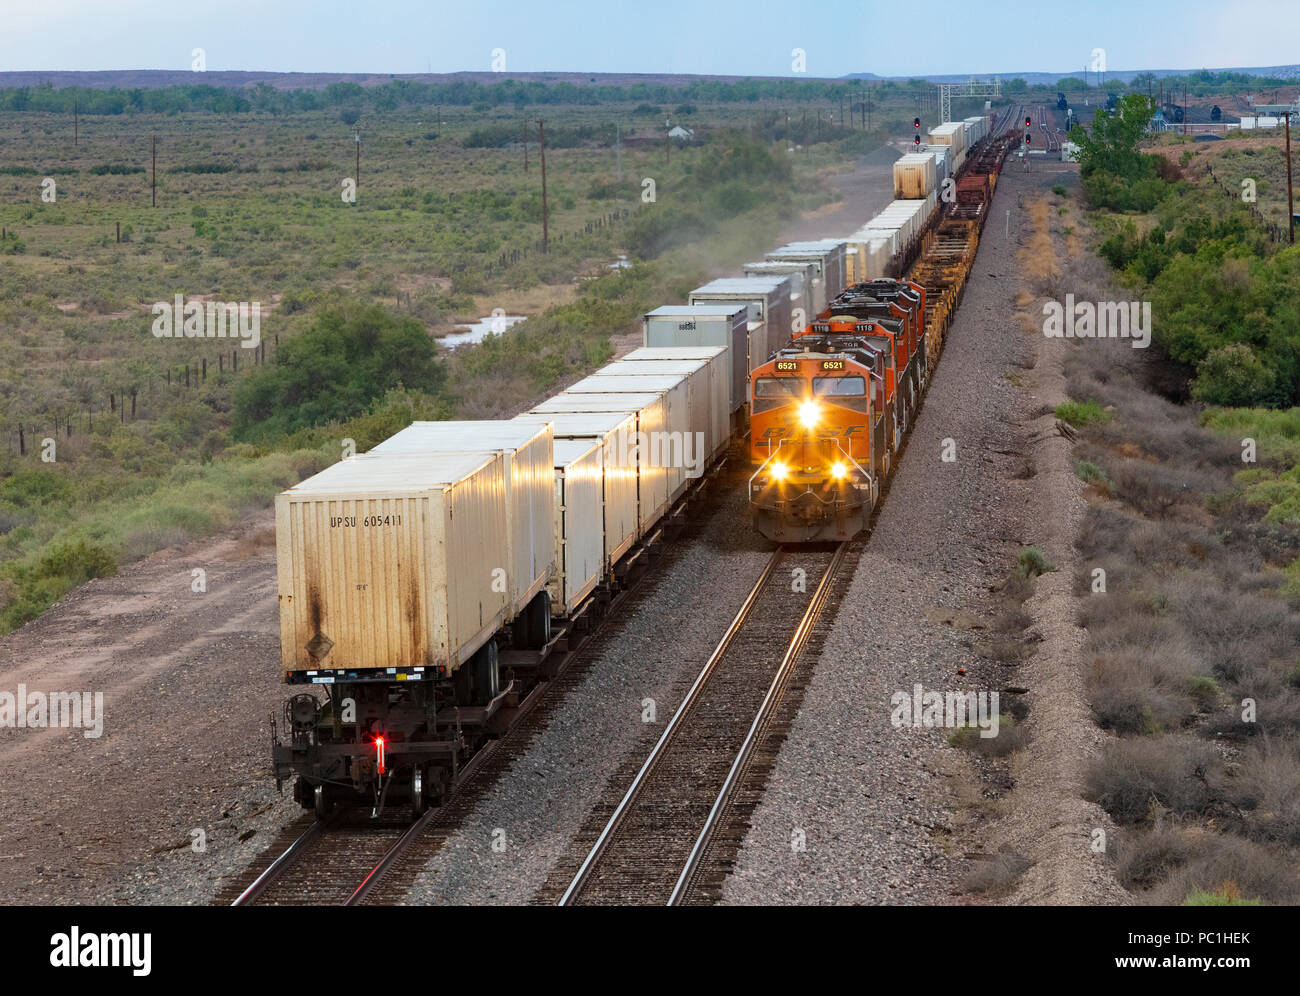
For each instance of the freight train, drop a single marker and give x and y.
(427, 585)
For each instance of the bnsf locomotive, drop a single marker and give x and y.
(831, 409)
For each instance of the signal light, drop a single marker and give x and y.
(1028, 123)
(917, 141)
(916, 122)
(379, 754)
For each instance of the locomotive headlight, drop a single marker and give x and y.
(810, 414)
(840, 470)
(779, 471)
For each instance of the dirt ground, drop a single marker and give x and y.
(188, 678)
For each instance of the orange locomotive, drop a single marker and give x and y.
(830, 410)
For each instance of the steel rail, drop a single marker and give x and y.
(758, 726)
(660, 747)
(281, 864)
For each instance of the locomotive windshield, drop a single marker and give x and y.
(839, 386)
(780, 387)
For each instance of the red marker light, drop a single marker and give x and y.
(379, 754)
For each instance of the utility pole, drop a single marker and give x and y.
(153, 176)
(541, 138)
(525, 148)
(618, 149)
(1290, 204)
(74, 123)
(357, 175)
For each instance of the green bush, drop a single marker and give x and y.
(1233, 375)
(1081, 413)
(1030, 563)
(349, 357)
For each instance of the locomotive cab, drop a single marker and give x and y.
(813, 442)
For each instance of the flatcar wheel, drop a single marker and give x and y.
(539, 620)
(323, 802)
(487, 676)
(418, 799)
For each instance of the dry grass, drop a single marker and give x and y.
(996, 875)
(1038, 258)
(1192, 622)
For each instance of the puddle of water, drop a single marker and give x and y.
(480, 330)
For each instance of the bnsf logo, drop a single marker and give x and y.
(685, 326)
(781, 431)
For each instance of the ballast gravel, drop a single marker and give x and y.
(857, 810)
(505, 848)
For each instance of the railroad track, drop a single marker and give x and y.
(657, 846)
(349, 859)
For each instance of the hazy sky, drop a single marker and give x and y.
(754, 37)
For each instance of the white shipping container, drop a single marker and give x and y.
(685, 409)
(578, 505)
(651, 410)
(715, 362)
(615, 432)
(386, 561)
(528, 468)
(704, 326)
(768, 301)
(828, 256)
(803, 283)
(700, 392)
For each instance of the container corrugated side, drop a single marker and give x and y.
(702, 392)
(683, 412)
(804, 280)
(769, 326)
(652, 415)
(615, 432)
(385, 561)
(528, 489)
(704, 327)
(717, 369)
(578, 503)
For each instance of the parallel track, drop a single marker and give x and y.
(654, 846)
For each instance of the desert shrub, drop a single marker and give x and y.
(1133, 775)
(1030, 563)
(36, 487)
(349, 357)
(997, 874)
(1081, 413)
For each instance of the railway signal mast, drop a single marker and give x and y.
(916, 123)
(973, 88)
